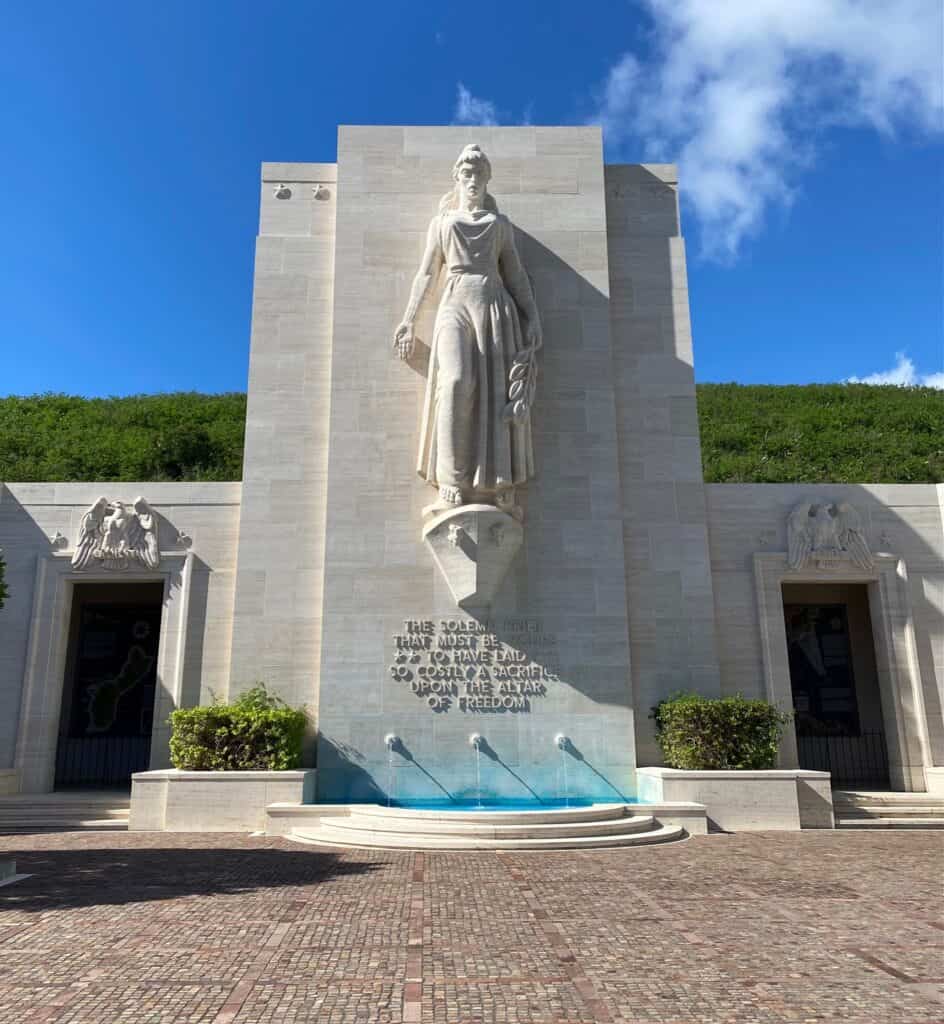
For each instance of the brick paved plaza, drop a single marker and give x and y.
(139, 929)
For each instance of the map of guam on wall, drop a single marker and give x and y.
(103, 696)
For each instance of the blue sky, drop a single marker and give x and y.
(809, 137)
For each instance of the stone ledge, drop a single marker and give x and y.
(182, 775)
(290, 172)
(748, 801)
(171, 800)
(934, 780)
(773, 773)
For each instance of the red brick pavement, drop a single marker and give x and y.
(118, 928)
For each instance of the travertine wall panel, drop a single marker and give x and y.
(281, 533)
(900, 520)
(207, 514)
(668, 575)
(568, 578)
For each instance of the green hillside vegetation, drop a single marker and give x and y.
(181, 436)
(830, 433)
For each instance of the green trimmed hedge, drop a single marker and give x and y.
(703, 734)
(257, 732)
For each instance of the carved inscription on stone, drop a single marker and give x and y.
(475, 666)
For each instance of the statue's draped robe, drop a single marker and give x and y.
(478, 252)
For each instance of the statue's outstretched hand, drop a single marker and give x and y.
(403, 340)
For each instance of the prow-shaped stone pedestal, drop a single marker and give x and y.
(473, 545)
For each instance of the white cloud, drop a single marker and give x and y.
(473, 110)
(739, 90)
(902, 374)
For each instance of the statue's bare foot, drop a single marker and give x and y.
(449, 498)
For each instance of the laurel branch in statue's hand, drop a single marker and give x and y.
(532, 334)
(404, 340)
(522, 382)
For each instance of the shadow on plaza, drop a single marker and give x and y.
(75, 877)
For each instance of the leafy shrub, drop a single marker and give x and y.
(700, 733)
(255, 732)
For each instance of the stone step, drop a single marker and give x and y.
(414, 818)
(59, 811)
(887, 811)
(860, 797)
(386, 840)
(66, 825)
(63, 812)
(489, 829)
(866, 822)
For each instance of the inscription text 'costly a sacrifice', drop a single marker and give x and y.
(474, 666)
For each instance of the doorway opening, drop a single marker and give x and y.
(833, 675)
(109, 684)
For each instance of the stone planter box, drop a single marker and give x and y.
(172, 800)
(746, 801)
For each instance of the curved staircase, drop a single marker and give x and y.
(593, 827)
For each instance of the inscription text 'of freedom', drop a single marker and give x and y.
(473, 666)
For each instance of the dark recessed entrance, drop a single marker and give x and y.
(836, 698)
(110, 678)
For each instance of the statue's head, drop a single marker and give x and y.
(471, 174)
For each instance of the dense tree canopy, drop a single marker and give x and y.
(181, 436)
(830, 433)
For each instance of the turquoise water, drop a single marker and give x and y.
(502, 805)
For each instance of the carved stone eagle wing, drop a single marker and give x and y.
(851, 536)
(142, 535)
(799, 535)
(91, 534)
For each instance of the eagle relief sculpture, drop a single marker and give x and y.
(116, 535)
(825, 534)
(475, 438)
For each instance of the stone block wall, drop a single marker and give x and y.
(277, 614)
(39, 523)
(568, 580)
(902, 524)
(664, 517)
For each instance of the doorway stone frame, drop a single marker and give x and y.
(896, 656)
(53, 589)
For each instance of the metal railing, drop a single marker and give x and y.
(100, 760)
(854, 761)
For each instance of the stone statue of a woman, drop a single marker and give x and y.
(475, 443)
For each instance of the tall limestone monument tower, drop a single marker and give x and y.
(472, 535)
(472, 502)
